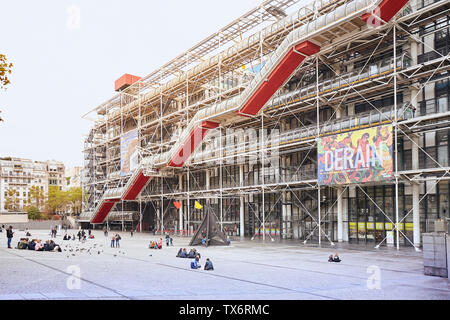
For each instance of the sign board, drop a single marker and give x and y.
(359, 156)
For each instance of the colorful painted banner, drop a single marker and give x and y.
(359, 156)
(129, 157)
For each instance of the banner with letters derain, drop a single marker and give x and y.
(358, 156)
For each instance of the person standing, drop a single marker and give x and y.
(167, 240)
(113, 240)
(9, 235)
(117, 240)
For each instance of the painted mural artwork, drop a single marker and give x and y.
(359, 156)
(128, 152)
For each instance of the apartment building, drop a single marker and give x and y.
(21, 174)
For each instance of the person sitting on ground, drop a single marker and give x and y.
(91, 236)
(160, 243)
(204, 241)
(330, 258)
(195, 264)
(73, 237)
(23, 244)
(191, 254)
(39, 246)
(336, 258)
(28, 234)
(179, 252)
(208, 265)
(66, 237)
(183, 253)
(31, 244)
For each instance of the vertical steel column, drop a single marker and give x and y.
(241, 203)
(262, 176)
(180, 213)
(395, 135)
(317, 145)
(161, 146)
(220, 179)
(188, 171)
(140, 213)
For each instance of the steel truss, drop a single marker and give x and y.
(161, 105)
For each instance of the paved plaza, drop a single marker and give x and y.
(244, 270)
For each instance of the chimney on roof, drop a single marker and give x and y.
(125, 81)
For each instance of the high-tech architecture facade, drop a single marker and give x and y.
(322, 123)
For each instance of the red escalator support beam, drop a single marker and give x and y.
(191, 143)
(104, 210)
(139, 183)
(278, 77)
(385, 10)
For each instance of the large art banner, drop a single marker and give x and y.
(129, 156)
(359, 156)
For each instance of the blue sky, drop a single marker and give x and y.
(63, 69)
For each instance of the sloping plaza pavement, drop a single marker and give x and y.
(249, 270)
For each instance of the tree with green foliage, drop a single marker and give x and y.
(56, 200)
(33, 213)
(12, 201)
(36, 197)
(75, 197)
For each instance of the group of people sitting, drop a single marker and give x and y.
(67, 237)
(156, 245)
(334, 259)
(182, 253)
(38, 245)
(196, 264)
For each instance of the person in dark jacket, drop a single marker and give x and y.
(330, 258)
(118, 238)
(9, 235)
(208, 265)
(191, 254)
(167, 240)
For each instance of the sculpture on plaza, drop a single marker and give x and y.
(209, 233)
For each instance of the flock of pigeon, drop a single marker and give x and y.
(76, 249)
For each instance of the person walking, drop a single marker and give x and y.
(9, 235)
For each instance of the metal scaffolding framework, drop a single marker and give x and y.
(355, 64)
